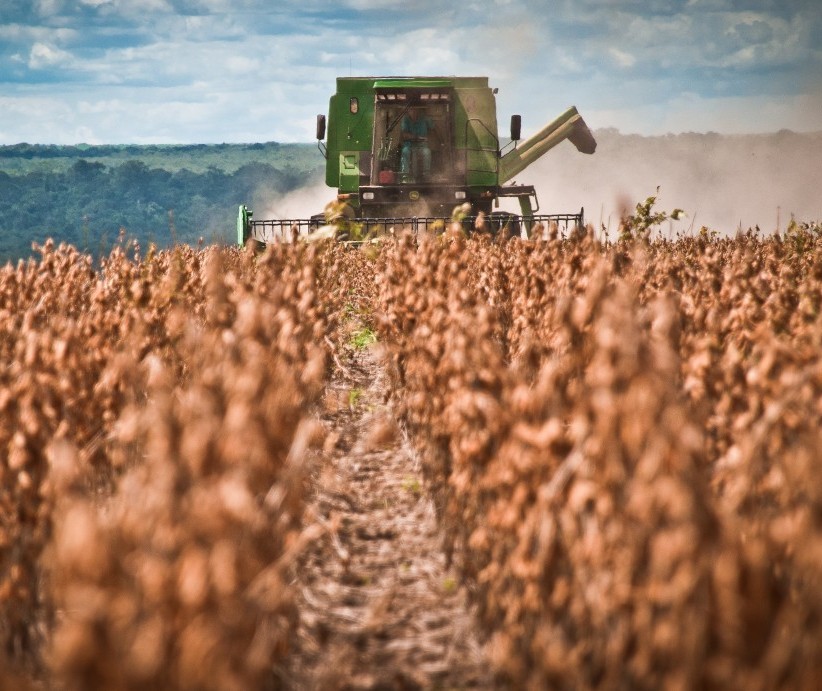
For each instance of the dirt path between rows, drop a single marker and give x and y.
(378, 607)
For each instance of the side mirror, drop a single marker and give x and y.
(516, 128)
(320, 127)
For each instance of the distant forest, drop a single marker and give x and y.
(89, 195)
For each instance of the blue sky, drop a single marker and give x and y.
(199, 71)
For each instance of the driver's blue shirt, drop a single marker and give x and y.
(418, 128)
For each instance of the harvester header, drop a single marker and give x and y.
(405, 151)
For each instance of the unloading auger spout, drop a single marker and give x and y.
(569, 125)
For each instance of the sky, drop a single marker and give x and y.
(206, 71)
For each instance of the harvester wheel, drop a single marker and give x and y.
(254, 246)
(339, 211)
(503, 221)
(315, 222)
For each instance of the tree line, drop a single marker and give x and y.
(91, 204)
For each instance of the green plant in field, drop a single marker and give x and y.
(449, 585)
(350, 310)
(340, 216)
(639, 224)
(354, 396)
(412, 484)
(355, 310)
(801, 237)
(363, 337)
(371, 250)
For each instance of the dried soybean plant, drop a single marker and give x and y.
(179, 579)
(621, 441)
(152, 488)
(56, 339)
(623, 451)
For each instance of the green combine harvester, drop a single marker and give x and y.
(404, 152)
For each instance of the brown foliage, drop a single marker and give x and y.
(153, 486)
(621, 440)
(623, 444)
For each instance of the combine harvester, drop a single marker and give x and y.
(404, 152)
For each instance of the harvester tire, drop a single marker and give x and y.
(315, 222)
(503, 221)
(254, 246)
(339, 211)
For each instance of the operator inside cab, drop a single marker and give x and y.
(415, 158)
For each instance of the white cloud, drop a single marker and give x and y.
(754, 30)
(129, 8)
(622, 58)
(47, 8)
(373, 4)
(43, 34)
(709, 5)
(567, 63)
(211, 27)
(86, 135)
(218, 6)
(239, 64)
(654, 31)
(43, 55)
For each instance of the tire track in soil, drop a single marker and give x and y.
(378, 608)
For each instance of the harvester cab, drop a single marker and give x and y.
(403, 152)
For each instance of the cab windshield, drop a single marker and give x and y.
(412, 138)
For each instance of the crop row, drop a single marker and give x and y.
(155, 421)
(623, 443)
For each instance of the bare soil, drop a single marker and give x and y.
(379, 608)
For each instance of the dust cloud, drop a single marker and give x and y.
(301, 203)
(723, 182)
